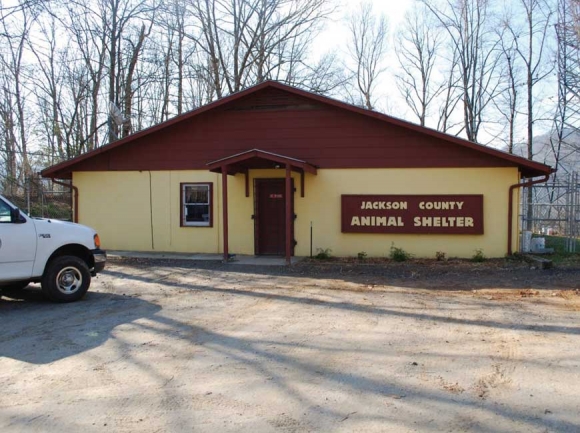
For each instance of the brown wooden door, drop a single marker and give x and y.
(270, 217)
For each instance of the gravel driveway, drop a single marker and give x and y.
(161, 346)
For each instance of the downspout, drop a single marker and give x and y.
(510, 205)
(75, 199)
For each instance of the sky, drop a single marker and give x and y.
(334, 35)
(393, 9)
(334, 38)
(387, 97)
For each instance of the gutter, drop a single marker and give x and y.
(75, 199)
(510, 205)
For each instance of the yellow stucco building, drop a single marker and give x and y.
(275, 170)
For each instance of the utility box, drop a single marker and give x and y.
(538, 245)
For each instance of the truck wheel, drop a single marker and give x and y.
(66, 279)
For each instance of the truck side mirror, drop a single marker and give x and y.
(15, 216)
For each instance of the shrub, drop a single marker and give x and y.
(323, 253)
(478, 257)
(440, 256)
(362, 255)
(399, 254)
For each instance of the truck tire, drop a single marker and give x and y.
(66, 279)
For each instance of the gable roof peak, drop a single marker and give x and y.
(528, 168)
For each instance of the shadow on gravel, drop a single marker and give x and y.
(452, 276)
(258, 355)
(59, 331)
(40, 332)
(354, 307)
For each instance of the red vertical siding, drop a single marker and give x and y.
(324, 136)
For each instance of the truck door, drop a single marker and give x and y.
(17, 245)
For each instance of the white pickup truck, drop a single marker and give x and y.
(60, 255)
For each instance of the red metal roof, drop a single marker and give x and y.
(527, 167)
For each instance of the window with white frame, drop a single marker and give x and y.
(196, 204)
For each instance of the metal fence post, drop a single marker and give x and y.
(27, 186)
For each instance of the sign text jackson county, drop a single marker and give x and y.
(426, 214)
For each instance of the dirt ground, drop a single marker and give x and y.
(160, 346)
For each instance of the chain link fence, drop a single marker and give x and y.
(555, 213)
(39, 197)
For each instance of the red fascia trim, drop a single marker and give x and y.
(216, 166)
(253, 152)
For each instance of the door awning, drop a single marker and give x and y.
(258, 159)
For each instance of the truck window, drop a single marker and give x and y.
(4, 213)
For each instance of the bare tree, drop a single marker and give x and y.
(88, 31)
(48, 90)
(467, 23)
(119, 16)
(249, 41)
(134, 53)
(568, 32)
(12, 62)
(367, 45)
(417, 46)
(13, 9)
(508, 99)
(529, 44)
(205, 13)
(8, 138)
(56, 86)
(179, 53)
(326, 77)
(563, 139)
(178, 42)
(449, 94)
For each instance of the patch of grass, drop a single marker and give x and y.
(561, 256)
(478, 257)
(362, 255)
(516, 257)
(323, 253)
(559, 243)
(399, 254)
